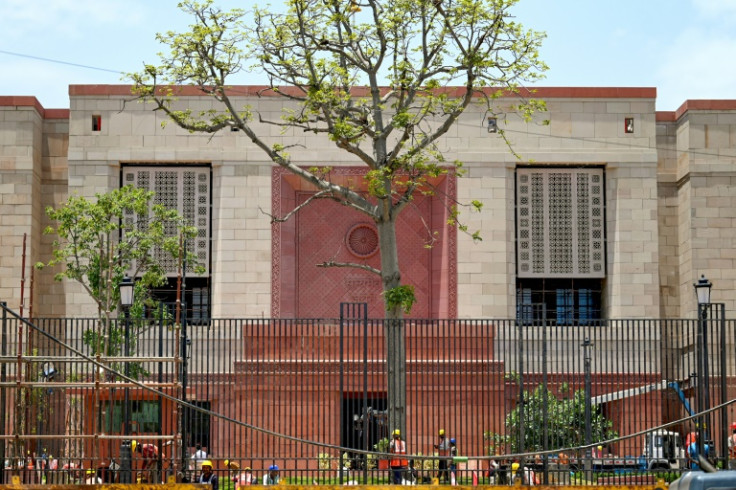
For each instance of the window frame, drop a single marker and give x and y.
(200, 283)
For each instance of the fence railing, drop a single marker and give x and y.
(309, 395)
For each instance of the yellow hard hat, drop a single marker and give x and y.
(397, 432)
(90, 472)
(600, 447)
(442, 432)
(133, 445)
(514, 466)
(206, 462)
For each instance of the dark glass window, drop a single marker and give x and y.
(559, 301)
(145, 416)
(197, 425)
(197, 298)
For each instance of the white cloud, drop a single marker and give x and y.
(716, 9)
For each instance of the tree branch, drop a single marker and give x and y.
(274, 219)
(331, 263)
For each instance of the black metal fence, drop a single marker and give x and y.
(615, 400)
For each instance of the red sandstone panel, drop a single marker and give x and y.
(322, 232)
(326, 231)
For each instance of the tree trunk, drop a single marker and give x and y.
(393, 329)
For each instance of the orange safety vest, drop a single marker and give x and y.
(398, 447)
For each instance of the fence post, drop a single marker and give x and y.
(3, 379)
(545, 401)
(587, 345)
(721, 312)
(364, 413)
(343, 307)
(185, 411)
(522, 411)
(173, 459)
(350, 312)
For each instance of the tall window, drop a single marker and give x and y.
(185, 188)
(560, 239)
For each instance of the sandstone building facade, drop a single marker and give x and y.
(654, 207)
(610, 211)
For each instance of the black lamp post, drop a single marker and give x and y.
(126, 301)
(48, 373)
(702, 293)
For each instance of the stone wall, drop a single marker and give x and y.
(669, 192)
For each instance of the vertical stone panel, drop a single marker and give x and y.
(20, 197)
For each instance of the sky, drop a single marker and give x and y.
(683, 48)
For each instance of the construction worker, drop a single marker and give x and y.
(92, 478)
(149, 456)
(71, 474)
(693, 453)
(398, 462)
(523, 474)
(732, 448)
(272, 477)
(207, 475)
(245, 478)
(443, 450)
(197, 458)
(598, 452)
(453, 465)
(515, 473)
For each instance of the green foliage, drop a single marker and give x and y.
(565, 422)
(426, 464)
(493, 443)
(324, 461)
(371, 80)
(98, 241)
(401, 296)
(382, 445)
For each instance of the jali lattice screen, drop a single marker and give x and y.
(560, 227)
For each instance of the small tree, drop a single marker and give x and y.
(370, 75)
(565, 423)
(100, 241)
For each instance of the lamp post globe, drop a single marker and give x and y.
(702, 290)
(126, 292)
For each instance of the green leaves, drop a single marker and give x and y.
(98, 241)
(400, 297)
(565, 423)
